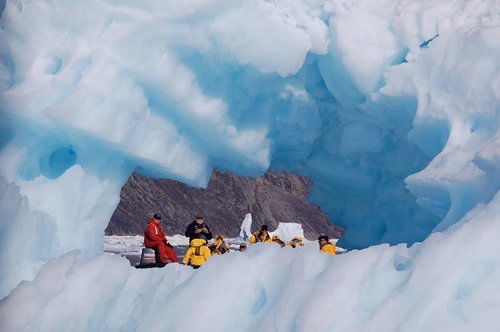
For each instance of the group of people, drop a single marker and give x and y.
(263, 236)
(325, 245)
(200, 251)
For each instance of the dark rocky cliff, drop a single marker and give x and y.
(271, 198)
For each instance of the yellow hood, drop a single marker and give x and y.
(197, 242)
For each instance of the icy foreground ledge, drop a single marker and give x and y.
(270, 288)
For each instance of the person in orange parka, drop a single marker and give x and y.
(154, 237)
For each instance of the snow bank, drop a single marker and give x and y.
(287, 231)
(277, 289)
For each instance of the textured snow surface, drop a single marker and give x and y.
(269, 288)
(390, 106)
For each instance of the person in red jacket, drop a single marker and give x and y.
(154, 237)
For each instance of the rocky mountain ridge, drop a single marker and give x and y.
(271, 198)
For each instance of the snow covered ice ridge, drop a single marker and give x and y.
(391, 107)
(269, 288)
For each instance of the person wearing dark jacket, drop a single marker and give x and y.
(198, 230)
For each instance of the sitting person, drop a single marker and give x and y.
(197, 254)
(276, 239)
(296, 242)
(260, 236)
(154, 237)
(325, 245)
(219, 247)
(243, 246)
(198, 230)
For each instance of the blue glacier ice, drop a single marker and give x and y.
(391, 107)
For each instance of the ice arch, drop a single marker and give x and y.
(398, 138)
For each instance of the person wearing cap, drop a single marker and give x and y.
(243, 246)
(260, 236)
(197, 254)
(219, 247)
(198, 230)
(276, 239)
(155, 238)
(325, 245)
(296, 242)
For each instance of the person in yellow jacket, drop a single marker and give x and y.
(325, 245)
(276, 239)
(260, 236)
(197, 254)
(219, 247)
(296, 242)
